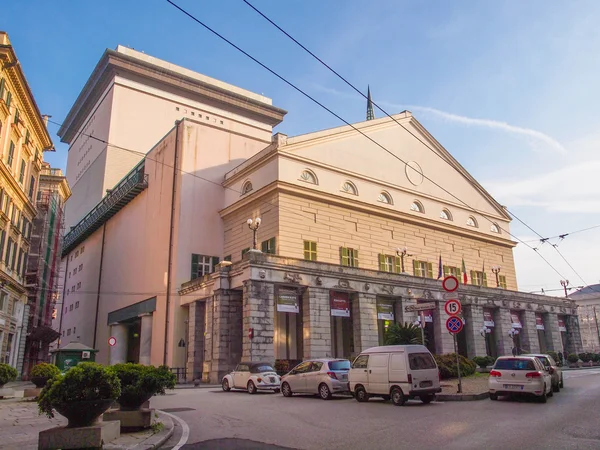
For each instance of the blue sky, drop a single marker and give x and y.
(508, 87)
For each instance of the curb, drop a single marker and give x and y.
(154, 441)
(461, 397)
(191, 386)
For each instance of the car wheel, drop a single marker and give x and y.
(286, 390)
(556, 387)
(360, 394)
(493, 396)
(427, 398)
(251, 388)
(543, 398)
(225, 385)
(562, 383)
(398, 397)
(324, 391)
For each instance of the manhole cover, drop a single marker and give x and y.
(172, 410)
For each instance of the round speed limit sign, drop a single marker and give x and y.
(452, 307)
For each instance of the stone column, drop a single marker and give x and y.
(574, 344)
(444, 342)
(145, 338)
(553, 336)
(316, 320)
(473, 314)
(195, 340)
(504, 342)
(529, 337)
(118, 352)
(208, 339)
(259, 314)
(400, 316)
(364, 311)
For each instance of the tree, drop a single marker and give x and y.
(403, 334)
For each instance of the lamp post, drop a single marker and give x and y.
(496, 271)
(253, 224)
(564, 284)
(402, 253)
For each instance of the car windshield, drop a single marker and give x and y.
(515, 364)
(339, 365)
(262, 368)
(421, 361)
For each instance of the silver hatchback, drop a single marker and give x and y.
(323, 377)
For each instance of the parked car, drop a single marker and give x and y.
(553, 368)
(396, 372)
(324, 377)
(520, 375)
(253, 377)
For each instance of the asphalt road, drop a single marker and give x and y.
(237, 420)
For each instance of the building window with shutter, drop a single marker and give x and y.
(11, 154)
(22, 172)
(31, 187)
(2, 242)
(203, 265)
(502, 281)
(244, 251)
(348, 257)
(389, 263)
(310, 250)
(8, 251)
(268, 246)
(8, 98)
(478, 278)
(423, 269)
(454, 271)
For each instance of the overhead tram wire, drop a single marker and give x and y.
(289, 83)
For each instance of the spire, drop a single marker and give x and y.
(370, 114)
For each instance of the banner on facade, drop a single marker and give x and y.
(385, 311)
(539, 322)
(428, 315)
(287, 301)
(514, 319)
(488, 318)
(340, 304)
(561, 324)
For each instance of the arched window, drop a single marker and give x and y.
(472, 222)
(309, 176)
(445, 214)
(494, 228)
(349, 188)
(416, 206)
(386, 198)
(247, 187)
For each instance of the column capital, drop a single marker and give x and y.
(145, 314)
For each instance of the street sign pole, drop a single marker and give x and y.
(422, 314)
(457, 364)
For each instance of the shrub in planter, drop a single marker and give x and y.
(585, 357)
(42, 372)
(554, 356)
(595, 358)
(573, 358)
(139, 383)
(403, 334)
(482, 361)
(7, 374)
(81, 395)
(448, 368)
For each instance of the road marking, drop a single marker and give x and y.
(185, 434)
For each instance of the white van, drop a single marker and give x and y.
(396, 372)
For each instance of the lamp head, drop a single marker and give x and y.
(249, 221)
(257, 221)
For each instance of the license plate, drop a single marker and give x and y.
(513, 386)
(426, 384)
(272, 379)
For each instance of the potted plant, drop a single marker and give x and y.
(585, 358)
(481, 361)
(139, 383)
(81, 395)
(572, 359)
(403, 334)
(7, 374)
(42, 372)
(595, 359)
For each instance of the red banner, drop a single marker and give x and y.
(539, 321)
(488, 318)
(340, 304)
(514, 319)
(561, 324)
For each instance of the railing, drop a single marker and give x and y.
(52, 172)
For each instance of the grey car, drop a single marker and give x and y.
(323, 377)
(552, 367)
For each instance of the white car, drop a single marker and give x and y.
(324, 377)
(520, 375)
(253, 377)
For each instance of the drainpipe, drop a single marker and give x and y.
(171, 233)
(99, 284)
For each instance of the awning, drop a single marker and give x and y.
(44, 334)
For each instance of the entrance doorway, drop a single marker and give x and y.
(385, 317)
(133, 341)
(288, 325)
(342, 327)
(489, 329)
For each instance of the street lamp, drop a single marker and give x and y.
(402, 253)
(564, 284)
(496, 271)
(253, 225)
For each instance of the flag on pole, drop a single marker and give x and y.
(440, 268)
(482, 273)
(464, 271)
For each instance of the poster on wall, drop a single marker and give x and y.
(287, 301)
(340, 304)
(385, 311)
(488, 318)
(428, 316)
(561, 324)
(539, 322)
(514, 319)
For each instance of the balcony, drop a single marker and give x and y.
(127, 189)
(51, 172)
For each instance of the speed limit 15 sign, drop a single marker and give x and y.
(452, 307)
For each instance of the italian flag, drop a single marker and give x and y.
(464, 271)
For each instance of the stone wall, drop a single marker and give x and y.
(317, 323)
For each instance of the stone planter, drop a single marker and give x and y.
(84, 413)
(132, 402)
(39, 382)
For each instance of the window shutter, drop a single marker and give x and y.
(14, 256)
(194, 266)
(2, 239)
(484, 279)
(264, 246)
(430, 270)
(25, 256)
(472, 276)
(355, 258)
(2, 83)
(459, 275)
(215, 261)
(343, 255)
(381, 262)
(446, 271)
(416, 268)
(8, 249)
(398, 264)
(273, 246)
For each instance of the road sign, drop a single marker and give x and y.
(450, 283)
(452, 307)
(420, 307)
(454, 324)
(112, 341)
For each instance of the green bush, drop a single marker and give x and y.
(84, 382)
(585, 357)
(572, 358)
(403, 334)
(139, 383)
(448, 368)
(45, 370)
(484, 361)
(595, 357)
(554, 356)
(7, 374)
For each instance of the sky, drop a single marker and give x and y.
(510, 88)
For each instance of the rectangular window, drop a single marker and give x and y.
(3, 301)
(16, 119)
(74, 328)
(80, 267)
(31, 187)
(268, 246)
(246, 250)
(389, 263)
(8, 251)
(19, 260)
(76, 304)
(348, 257)
(74, 270)
(227, 258)
(22, 172)
(450, 270)
(423, 269)
(82, 249)
(203, 265)
(25, 255)
(79, 285)
(2, 242)
(8, 98)
(11, 154)
(6, 203)
(14, 256)
(76, 253)
(27, 134)
(478, 278)
(2, 89)
(70, 307)
(310, 250)
(69, 332)
(502, 281)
